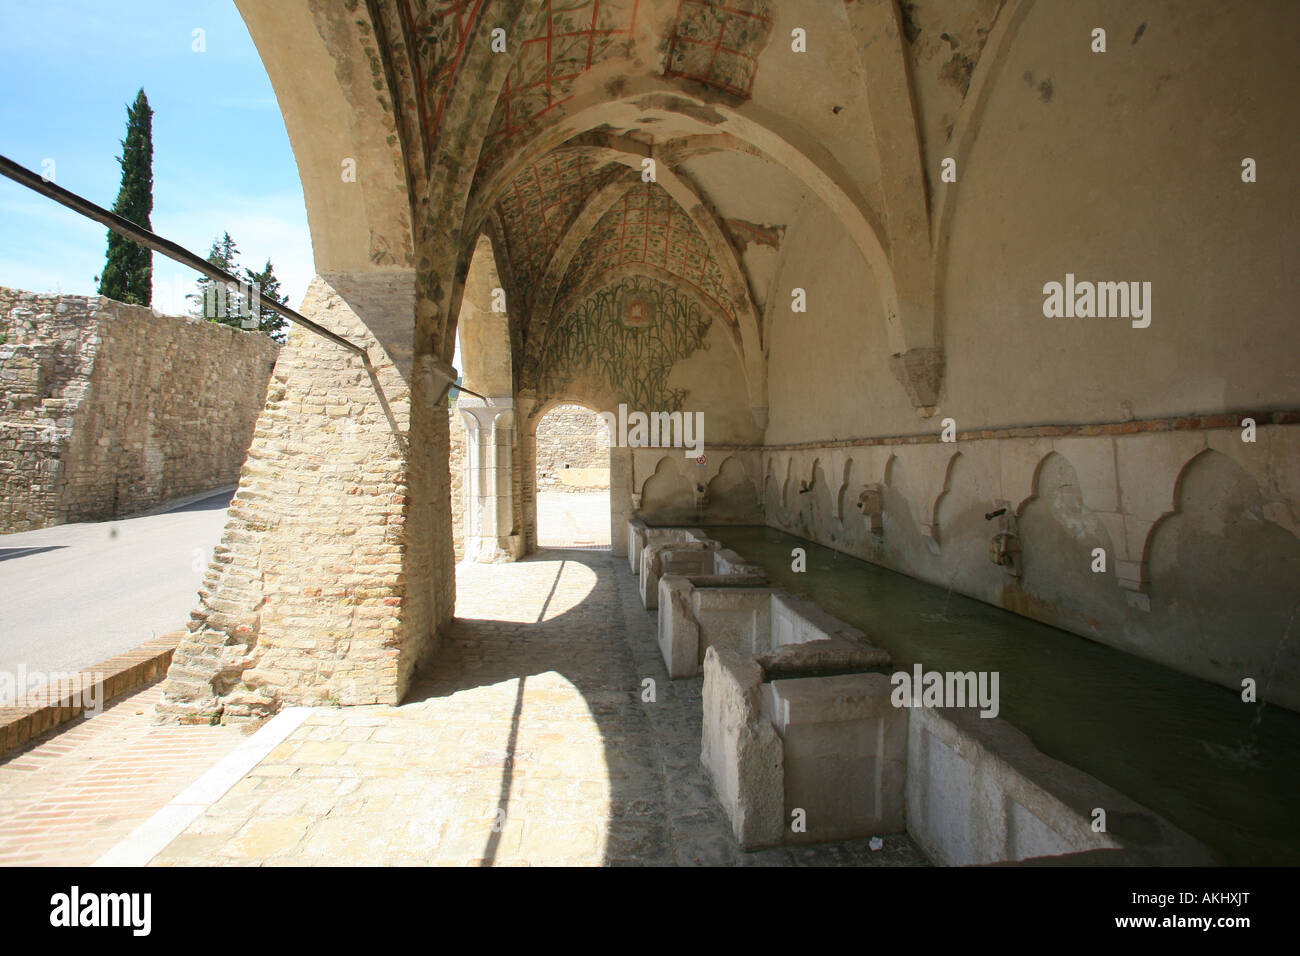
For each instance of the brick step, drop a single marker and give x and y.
(109, 679)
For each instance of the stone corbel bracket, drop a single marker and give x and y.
(920, 372)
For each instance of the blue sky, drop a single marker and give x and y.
(222, 160)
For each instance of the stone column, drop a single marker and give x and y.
(334, 572)
(526, 470)
(490, 534)
(621, 507)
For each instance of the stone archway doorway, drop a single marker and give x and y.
(572, 463)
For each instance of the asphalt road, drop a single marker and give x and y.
(77, 594)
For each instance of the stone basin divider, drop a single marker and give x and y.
(804, 744)
(693, 560)
(655, 552)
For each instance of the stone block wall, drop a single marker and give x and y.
(572, 439)
(109, 409)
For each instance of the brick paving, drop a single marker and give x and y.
(70, 796)
(528, 744)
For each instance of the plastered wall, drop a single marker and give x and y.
(1123, 166)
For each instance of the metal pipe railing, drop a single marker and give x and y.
(124, 227)
(150, 240)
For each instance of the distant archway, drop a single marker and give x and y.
(572, 471)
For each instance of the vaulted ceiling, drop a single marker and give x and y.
(534, 120)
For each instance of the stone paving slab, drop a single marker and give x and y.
(528, 744)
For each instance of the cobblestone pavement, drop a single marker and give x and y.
(529, 744)
(70, 796)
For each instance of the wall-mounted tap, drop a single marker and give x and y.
(871, 503)
(1004, 546)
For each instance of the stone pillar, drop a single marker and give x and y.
(490, 533)
(331, 582)
(621, 507)
(526, 468)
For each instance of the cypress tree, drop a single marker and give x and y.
(128, 269)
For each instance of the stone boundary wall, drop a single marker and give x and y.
(109, 409)
(572, 438)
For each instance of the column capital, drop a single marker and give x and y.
(477, 413)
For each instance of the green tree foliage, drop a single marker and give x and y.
(128, 267)
(212, 300)
(268, 287)
(232, 305)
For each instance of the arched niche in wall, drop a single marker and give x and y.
(1219, 562)
(732, 497)
(667, 497)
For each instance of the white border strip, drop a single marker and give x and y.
(151, 837)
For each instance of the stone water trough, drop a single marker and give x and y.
(808, 759)
(639, 535)
(804, 743)
(655, 552)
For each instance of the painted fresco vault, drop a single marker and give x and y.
(533, 121)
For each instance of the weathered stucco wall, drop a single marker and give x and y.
(828, 367)
(1127, 166)
(1116, 166)
(1122, 166)
(110, 409)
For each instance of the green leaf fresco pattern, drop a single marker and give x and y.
(634, 362)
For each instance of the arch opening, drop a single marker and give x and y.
(572, 478)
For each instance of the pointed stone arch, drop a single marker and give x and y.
(772, 137)
(744, 323)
